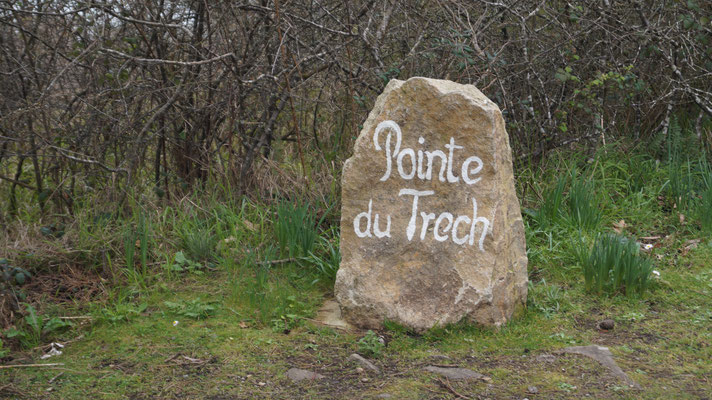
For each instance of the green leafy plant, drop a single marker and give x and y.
(195, 309)
(182, 263)
(704, 207)
(551, 208)
(545, 298)
(371, 345)
(12, 275)
(3, 351)
(121, 312)
(583, 213)
(33, 328)
(328, 259)
(199, 243)
(295, 229)
(615, 265)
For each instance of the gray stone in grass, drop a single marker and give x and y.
(546, 358)
(364, 363)
(457, 374)
(605, 357)
(298, 375)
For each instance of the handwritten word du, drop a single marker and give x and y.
(440, 232)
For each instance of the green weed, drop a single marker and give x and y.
(582, 210)
(327, 258)
(551, 208)
(199, 243)
(195, 309)
(120, 312)
(615, 265)
(295, 229)
(33, 328)
(371, 345)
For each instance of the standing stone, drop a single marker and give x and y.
(431, 230)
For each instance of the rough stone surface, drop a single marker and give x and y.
(298, 375)
(456, 374)
(364, 363)
(330, 315)
(605, 358)
(419, 277)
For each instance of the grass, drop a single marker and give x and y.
(616, 265)
(243, 319)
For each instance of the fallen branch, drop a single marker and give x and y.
(282, 261)
(446, 385)
(30, 365)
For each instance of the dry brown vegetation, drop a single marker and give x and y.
(105, 96)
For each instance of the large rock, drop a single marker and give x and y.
(431, 230)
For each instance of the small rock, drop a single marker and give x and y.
(546, 358)
(457, 373)
(606, 324)
(364, 363)
(364, 379)
(261, 383)
(359, 369)
(297, 375)
(532, 390)
(384, 396)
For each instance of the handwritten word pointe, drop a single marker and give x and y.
(421, 163)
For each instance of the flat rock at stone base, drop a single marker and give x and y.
(457, 374)
(298, 375)
(605, 358)
(330, 315)
(364, 363)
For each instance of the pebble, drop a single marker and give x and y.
(606, 324)
(533, 389)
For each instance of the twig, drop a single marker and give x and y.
(282, 261)
(446, 385)
(56, 376)
(160, 61)
(30, 365)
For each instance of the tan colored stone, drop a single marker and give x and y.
(425, 282)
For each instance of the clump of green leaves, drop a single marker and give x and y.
(121, 312)
(33, 328)
(195, 309)
(550, 211)
(545, 298)
(291, 315)
(295, 229)
(371, 345)
(583, 213)
(11, 274)
(3, 351)
(326, 259)
(182, 263)
(615, 265)
(199, 243)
